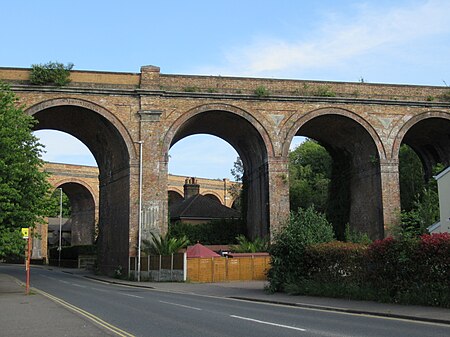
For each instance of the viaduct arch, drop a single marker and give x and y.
(362, 126)
(250, 140)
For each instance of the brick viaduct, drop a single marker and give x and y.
(362, 127)
(80, 184)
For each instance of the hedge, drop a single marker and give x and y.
(409, 271)
(211, 233)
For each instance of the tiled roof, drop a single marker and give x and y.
(201, 207)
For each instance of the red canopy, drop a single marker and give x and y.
(199, 250)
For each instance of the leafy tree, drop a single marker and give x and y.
(309, 176)
(23, 184)
(55, 205)
(239, 191)
(163, 244)
(412, 182)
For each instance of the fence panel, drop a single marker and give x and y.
(159, 268)
(220, 269)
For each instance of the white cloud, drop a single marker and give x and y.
(340, 40)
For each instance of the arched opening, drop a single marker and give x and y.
(82, 218)
(213, 197)
(246, 139)
(109, 144)
(174, 197)
(429, 137)
(424, 151)
(354, 192)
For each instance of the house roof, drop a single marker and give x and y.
(442, 173)
(201, 207)
(198, 250)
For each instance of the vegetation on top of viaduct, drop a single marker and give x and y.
(152, 80)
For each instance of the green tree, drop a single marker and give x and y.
(309, 176)
(55, 205)
(412, 182)
(23, 184)
(239, 190)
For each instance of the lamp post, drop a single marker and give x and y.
(140, 212)
(60, 225)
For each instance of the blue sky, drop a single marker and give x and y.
(402, 41)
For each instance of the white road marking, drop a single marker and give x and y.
(124, 294)
(105, 291)
(78, 285)
(268, 323)
(65, 282)
(180, 305)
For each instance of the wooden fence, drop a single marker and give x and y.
(222, 269)
(159, 267)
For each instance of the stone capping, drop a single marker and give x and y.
(150, 82)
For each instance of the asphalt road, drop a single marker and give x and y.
(146, 312)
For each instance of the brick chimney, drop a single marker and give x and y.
(191, 187)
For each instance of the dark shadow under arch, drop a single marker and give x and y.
(174, 197)
(82, 219)
(213, 197)
(110, 147)
(355, 191)
(429, 136)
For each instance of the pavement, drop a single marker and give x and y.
(20, 311)
(35, 315)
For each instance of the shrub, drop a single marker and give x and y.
(305, 227)
(50, 73)
(325, 91)
(163, 244)
(409, 270)
(262, 91)
(354, 236)
(246, 246)
(412, 270)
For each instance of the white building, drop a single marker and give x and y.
(443, 181)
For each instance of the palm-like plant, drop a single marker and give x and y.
(163, 244)
(246, 246)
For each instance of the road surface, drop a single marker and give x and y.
(147, 312)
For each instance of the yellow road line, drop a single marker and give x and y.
(93, 318)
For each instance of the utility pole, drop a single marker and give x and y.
(60, 225)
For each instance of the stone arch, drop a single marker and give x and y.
(248, 137)
(83, 216)
(169, 138)
(213, 196)
(174, 196)
(292, 131)
(81, 182)
(112, 146)
(428, 134)
(105, 113)
(355, 194)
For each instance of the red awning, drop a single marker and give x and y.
(199, 250)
